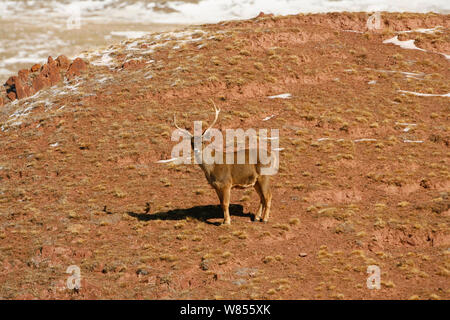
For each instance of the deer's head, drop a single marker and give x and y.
(197, 140)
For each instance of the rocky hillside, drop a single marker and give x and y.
(363, 180)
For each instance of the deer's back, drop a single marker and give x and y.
(239, 173)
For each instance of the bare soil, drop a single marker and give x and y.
(79, 182)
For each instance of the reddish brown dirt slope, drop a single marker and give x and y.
(79, 182)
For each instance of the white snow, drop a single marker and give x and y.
(268, 118)
(167, 160)
(405, 44)
(425, 94)
(281, 96)
(409, 44)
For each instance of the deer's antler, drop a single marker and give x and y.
(184, 130)
(217, 110)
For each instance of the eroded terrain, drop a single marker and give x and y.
(363, 179)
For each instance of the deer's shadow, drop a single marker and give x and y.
(201, 213)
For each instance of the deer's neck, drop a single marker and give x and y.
(206, 168)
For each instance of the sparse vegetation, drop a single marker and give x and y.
(363, 176)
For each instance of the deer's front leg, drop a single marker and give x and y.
(262, 201)
(224, 197)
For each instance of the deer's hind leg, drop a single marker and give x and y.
(258, 189)
(264, 184)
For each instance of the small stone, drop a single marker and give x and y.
(425, 183)
(204, 265)
(303, 254)
(141, 272)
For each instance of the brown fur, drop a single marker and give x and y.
(223, 177)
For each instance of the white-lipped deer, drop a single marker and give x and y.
(224, 176)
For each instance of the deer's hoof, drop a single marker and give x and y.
(257, 219)
(265, 221)
(226, 222)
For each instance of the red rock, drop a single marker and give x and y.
(54, 74)
(45, 70)
(29, 90)
(51, 71)
(21, 92)
(55, 77)
(41, 82)
(35, 67)
(23, 75)
(75, 68)
(11, 95)
(63, 62)
(11, 81)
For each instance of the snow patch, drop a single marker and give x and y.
(281, 96)
(268, 118)
(406, 44)
(425, 94)
(409, 44)
(413, 141)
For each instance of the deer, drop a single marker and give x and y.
(223, 177)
